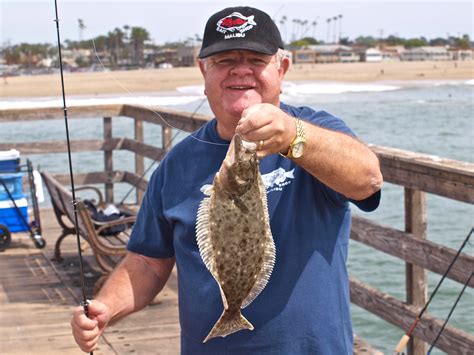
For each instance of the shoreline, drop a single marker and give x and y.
(168, 80)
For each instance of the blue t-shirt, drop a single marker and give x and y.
(304, 309)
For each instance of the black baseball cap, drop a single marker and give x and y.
(240, 27)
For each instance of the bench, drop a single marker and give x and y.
(108, 250)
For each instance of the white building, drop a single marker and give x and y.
(460, 54)
(373, 55)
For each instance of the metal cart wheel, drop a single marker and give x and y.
(5, 237)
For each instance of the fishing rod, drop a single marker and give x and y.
(449, 314)
(84, 303)
(404, 340)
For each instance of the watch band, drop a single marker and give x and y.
(300, 137)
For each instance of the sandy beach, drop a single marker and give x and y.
(153, 80)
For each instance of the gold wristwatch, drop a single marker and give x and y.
(296, 148)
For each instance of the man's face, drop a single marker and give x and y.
(236, 80)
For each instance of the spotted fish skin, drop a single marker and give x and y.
(234, 236)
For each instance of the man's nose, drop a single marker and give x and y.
(242, 67)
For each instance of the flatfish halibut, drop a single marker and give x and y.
(234, 236)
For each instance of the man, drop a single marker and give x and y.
(313, 166)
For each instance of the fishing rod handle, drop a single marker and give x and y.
(402, 344)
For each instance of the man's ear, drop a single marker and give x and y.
(284, 66)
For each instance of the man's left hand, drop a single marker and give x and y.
(268, 126)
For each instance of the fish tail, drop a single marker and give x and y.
(229, 322)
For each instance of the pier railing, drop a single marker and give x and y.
(419, 174)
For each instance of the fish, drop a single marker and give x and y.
(277, 177)
(234, 236)
(235, 22)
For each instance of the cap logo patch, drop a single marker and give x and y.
(236, 24)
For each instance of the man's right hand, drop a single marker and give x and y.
(87, 331)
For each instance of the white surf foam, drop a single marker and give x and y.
(139, 100)
(322, 88)
(191, 90)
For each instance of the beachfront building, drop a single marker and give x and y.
(425, 53)
(460, 54)
(324, 53)
(348, 56)
(391, 53)
(163, 58)
(187, 55)
(68, 57)
(301, 56)
(373, 55)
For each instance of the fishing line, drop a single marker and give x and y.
(148, 107)
(449, 314)
(84, 303)
(277, 12)
(404, 340)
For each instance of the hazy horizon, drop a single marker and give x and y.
(33, 21)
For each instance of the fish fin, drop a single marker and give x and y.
(290, 174)
(203, 236)
(207, 189)
(269, 254)
(228, 323)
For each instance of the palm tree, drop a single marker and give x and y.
(328, 21)
(126, 28)
(314, 29)
(115, 44)
(303, 31)
(293, 34)
(81, 28)
(335, 24)
(139, 36)
(340, 27)
(100, 43)
(283, 30)
(127, 43)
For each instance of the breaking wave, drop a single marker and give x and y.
(322, 88)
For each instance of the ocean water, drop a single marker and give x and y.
(431, 117)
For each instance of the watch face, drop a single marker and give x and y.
(297, 150)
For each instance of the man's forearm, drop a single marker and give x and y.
(133, 284)
(341, 162)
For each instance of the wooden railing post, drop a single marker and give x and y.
(139, 159)
(108, 161)
(416, 281)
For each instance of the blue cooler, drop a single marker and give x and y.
(14, 184)
(9, 161)
(9, 215)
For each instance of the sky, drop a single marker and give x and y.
(167, 21)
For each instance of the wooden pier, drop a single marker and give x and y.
(36, 294)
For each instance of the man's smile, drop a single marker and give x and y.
(240, 87)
